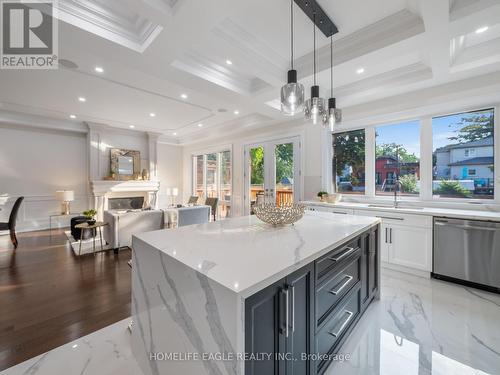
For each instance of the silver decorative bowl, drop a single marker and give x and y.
(272, 214)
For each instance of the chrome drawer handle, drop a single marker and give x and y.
(349, 251)
(350, 314)
(348, 280)
(287, 319)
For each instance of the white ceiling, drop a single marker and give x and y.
(152, 51)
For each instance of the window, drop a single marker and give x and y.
(459, 170)
(397, 157)
(213, 179)
(469, 153)
(349, 162)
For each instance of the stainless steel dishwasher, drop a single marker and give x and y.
(467, 251)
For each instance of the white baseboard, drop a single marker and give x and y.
(412, 271)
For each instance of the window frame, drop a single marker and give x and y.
(426, 152)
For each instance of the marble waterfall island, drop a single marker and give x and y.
(241, 297)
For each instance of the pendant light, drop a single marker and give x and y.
(315, 107)
(292, 94)
(333, 115)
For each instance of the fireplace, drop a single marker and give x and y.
(126, 203)
(124, 195)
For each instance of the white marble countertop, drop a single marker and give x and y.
(429, 211)
(245, 255)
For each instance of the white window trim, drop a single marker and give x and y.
(426, 149)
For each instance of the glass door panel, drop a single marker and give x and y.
(284, 173)
(200, 178)
(211, 176)
(257, 176)
(272, 173)
(225, 190)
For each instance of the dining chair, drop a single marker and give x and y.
(11, 225)
(212, 202)
(193, 199)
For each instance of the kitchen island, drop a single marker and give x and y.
(241, 297)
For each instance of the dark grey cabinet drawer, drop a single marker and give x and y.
(328, 338)
(331, 260)
(335, 287)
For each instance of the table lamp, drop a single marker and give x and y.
(65, 196)
(175, 193)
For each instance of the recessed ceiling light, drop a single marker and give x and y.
(184, 96)
(236, 112)
(82, 99)
(98, 69)
(174, 133)
(72, 116)
(152, 114)
(131, 126)
(482, 30)
(200, 125)
(360, 70)
(229, 62)
(75, 346)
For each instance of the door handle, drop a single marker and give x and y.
(287, 302)
(350, 314)
(293, 309)
(390, 218)
(386, 235)
(348, 251)
(348, 280)
(390, 235)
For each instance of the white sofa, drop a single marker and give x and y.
(122, 225)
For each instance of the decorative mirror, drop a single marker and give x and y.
(125, 164)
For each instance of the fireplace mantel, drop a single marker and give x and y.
(102, 187)
(102, 190)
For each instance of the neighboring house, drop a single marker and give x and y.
(466, 161)
(387, 167)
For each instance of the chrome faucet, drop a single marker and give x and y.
(397, 187)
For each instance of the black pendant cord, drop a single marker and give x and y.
(291, 17)
(331, 65)
(314, 42)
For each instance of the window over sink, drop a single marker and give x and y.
(349, 162)
(463, 155)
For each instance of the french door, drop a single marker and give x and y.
(272, 172)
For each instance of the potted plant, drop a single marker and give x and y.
(322, 195)
(90, 216)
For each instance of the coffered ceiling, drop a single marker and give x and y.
(193, 68)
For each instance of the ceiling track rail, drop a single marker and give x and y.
(323, 22)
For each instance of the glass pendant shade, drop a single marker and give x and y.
(330, 119)
(292, 95)
(315, 107)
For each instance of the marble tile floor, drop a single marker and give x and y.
(425, 326)
(419, 326)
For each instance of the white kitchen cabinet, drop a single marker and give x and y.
(410, 247)
(405, 240)
(333, 210)
(384, 242)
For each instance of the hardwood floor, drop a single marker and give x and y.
(49, 297)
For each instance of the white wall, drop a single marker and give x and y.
(170, 171)
(311, 156)
(34, 163)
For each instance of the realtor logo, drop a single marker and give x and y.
(29, 34)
